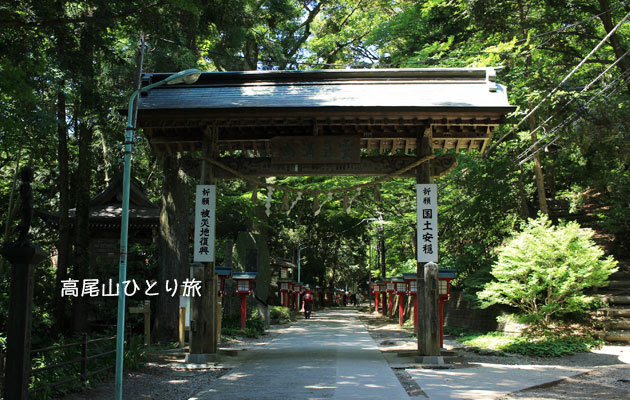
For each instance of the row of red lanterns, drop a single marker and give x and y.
(407, 285)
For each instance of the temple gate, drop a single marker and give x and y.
(327, 122)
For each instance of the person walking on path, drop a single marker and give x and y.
(307, 304)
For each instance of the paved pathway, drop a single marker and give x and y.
(330, 355)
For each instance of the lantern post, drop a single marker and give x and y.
(400, 289)
(244, 287)
(297, 289)
(410, 280)
(223, 273)
(444, 280)
(391, 289)
(187, 76)
(376, 288)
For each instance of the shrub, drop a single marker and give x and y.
(543, 271)
(545, 346)
(279, 314)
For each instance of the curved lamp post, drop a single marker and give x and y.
(187, 76)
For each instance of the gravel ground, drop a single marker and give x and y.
(166, 377)
(608, 378)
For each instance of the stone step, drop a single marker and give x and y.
(618, 324)
(612, 299)
(617, 284)
(614, 312)
(617, 336)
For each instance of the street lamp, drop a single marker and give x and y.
(187, 76)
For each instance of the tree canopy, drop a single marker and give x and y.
(68, 66)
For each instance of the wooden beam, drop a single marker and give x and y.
(368, 166)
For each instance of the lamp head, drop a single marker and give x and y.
(186, 76)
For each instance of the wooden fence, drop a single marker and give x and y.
(83, 359)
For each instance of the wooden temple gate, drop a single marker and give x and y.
(327, 122)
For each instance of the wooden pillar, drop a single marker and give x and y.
(442, 322)
(431, 310)
(203, 325)
(401, 309)
(391, 303)
(384, 301)
(182, 327)
(23, 259)
(376, 295)
(415, 313)
(423, 175)
(219, 317)
(145, 310)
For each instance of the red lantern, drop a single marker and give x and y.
(223, 273)
(285, 288)
(297, 289)
(410, 280)
(400, 288)
(244, 287)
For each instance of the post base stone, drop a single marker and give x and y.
(430, 360)
(200, 358)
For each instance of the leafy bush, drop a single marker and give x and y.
(279, 314)
(543, 271)
(231, 325)
(54, 375)
(550, 346)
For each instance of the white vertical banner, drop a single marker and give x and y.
(205, 213)
(427, 223)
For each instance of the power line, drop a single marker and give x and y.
(575, 23)
(587, 87)
(554, 90)
(574, 116)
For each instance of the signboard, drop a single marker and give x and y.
(427, 224)
(205, 207)
(315, 149)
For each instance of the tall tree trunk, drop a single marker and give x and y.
(84, 173)
(607, 21)
(12, 207)
(63, 246)
(531, 120)
(540, 179)
(173, 247)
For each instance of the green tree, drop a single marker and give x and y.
(543, 271)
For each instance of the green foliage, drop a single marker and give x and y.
(231, 325)
(51, 376)
(135, 353)
(550, 346)
(280, 314)
(543, 270)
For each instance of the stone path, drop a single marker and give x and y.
(330, 355)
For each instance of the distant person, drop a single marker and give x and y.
(345, 299)
(307, 305)
(353, 299)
